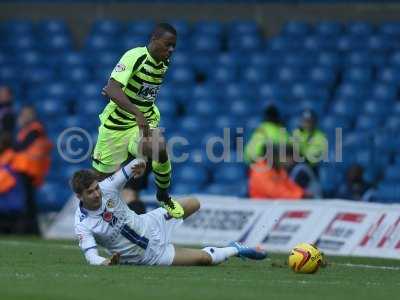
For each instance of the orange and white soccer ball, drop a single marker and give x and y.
(305, 258)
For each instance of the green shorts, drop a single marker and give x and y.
(113, 146)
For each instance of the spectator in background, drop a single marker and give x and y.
(33, 159)
(7, 117)
(269, 178)
(270, 132)
(309, 140)
(355, 187)
(303, 175)
(12, 191)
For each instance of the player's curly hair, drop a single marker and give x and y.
(82, 180)
(161, 28)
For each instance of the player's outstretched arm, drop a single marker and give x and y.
(134, 168)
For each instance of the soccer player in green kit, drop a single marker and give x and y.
(129, 123)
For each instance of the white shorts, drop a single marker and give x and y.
(160, 251)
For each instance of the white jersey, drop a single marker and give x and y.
(117, 228)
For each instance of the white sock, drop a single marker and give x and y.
(219, 255)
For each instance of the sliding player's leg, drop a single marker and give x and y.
(215, 255)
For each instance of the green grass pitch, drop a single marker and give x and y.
(37, 269)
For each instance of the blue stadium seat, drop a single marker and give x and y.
(384, 92)
(392, 173)
(330, 59)
(131, 41)
(390, 75)
(102, 43)
(237, 189)
(91, 89)
(36, 75)
(331, 122)
(30, 57)
(328, 178)
(8, 73)
(328, 28)
(229, 173)
(76, 74)
(193, 124)
(90, 106)
(358, 58)
(322, 76)
(243, 27)
(351, 91)
(205, 109)
(57, 42)
(360, 28)
(246, 43)
(390, 28)
(287, 74)
(191, 174)
(374, 107)
(52, 26)
(346, 107)
(202, 63)
(254, 74)
(49, 107)
(379, 43)
(57, 90)
(284, 43)
(367, 123)
(17, 27)
(107, 27)
(202, 91)
(318, 43)
(269, 91)
(296, 28)
(223, 75)
(205, 43)
(392, 123)
(211, 28)
(179, 188)
(181, 75)
(143, 28)
(387, 192)
(73, 58)
(358, 75)
(350, 43)
(227, 59)
(52, 196)
(23, 43)
(167, 107)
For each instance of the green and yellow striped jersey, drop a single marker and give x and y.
(141, 77)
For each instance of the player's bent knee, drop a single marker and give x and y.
(190, 206)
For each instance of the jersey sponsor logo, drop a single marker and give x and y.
(119, 67)
(149, 91)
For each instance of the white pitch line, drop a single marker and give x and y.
(361, 266)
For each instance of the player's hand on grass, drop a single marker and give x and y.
(113, 260)
(139, 168)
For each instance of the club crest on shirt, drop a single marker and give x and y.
(119, 67)
(107, 216)
(110, 203)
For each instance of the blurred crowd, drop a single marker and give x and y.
(285, 165)
(24, 163)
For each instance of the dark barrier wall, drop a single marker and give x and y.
(270, 15)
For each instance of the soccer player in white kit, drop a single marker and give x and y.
(103, 218)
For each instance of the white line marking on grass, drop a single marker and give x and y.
(368, 266)
(37, 244)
